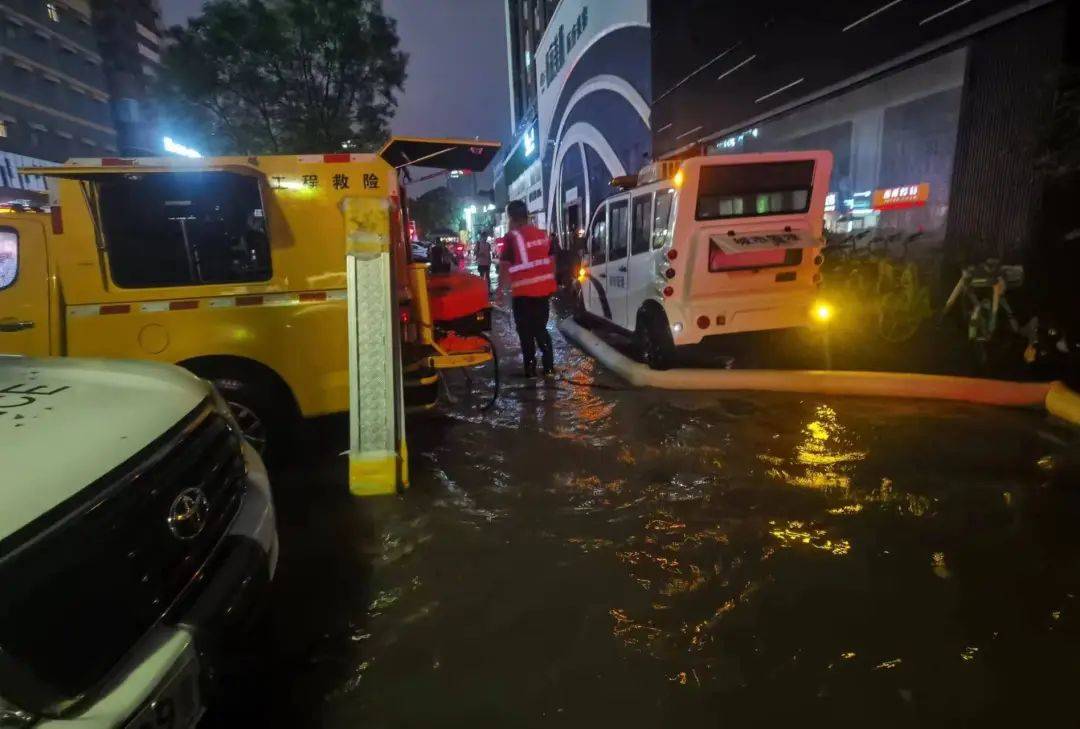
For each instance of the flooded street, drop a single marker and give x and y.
(589, 555)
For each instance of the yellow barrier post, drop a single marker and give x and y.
(378, 455)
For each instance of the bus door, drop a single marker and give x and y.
(618, 250)
(595, 294)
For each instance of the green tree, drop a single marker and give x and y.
(1061, 139)
(436, 209)
(271, 76)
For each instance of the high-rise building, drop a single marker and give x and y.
(580, 89)
(129, 34)
(54, 97)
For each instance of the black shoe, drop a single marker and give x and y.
(530, 371)
(548, 370)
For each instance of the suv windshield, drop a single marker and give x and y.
(751, 190)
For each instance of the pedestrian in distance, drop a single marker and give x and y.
(527, 269)
(482, 250)
(439, 258)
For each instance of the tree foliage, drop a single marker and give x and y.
(271, 76)
(1061, 140)
(436, 209)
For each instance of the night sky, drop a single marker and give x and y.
(457, 80)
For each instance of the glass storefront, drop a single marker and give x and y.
(893, 141)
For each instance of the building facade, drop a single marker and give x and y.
(933, 109)
(580, 81)
(54, 97)
(130, 37)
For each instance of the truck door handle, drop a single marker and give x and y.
(602, 275)
(622, 269)
(14, 325)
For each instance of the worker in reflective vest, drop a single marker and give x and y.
(527, 265)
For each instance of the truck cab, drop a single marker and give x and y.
(708, 246)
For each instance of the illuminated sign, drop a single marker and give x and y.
(174, 147)
(529, 142)
(859, 201)
(736, 140)
(905, 196)
(830, 202)
(560, 47)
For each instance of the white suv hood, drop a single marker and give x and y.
(64, 423)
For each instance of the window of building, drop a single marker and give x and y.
(640, 224)
(9, 257)
(3, 129)
(598, 238)
(184, 229)
(618, 230)
(52, 12)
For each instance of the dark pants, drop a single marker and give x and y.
(484, 269)
(531, 318)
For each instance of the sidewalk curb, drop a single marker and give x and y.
(1054, 397)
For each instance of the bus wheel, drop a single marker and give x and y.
(653, 339)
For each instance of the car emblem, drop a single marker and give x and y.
(188, 512)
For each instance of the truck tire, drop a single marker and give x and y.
(653, 338)
(262, 420)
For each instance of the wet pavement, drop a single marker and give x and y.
(589, 555)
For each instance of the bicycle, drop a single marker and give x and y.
(903, 303)
(984, 287)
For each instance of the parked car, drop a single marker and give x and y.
(420, 251)
(137, 534)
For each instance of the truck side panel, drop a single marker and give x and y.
(293, 323)
(300, 337)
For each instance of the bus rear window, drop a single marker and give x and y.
(754, 190)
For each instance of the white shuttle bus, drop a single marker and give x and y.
(708, 246)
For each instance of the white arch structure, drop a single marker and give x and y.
(585, 133)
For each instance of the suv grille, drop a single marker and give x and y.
(84, 582)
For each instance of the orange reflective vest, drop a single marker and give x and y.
(533, 272)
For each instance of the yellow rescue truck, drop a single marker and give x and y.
(233, 267)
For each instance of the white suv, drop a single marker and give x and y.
(708, 246)
(136, 532)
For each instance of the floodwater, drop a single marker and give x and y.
(585, 555)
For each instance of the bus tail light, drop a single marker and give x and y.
(57, 220)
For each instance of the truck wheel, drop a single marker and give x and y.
(261, 420)
(654, 342)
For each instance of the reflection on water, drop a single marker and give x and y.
(586, 555)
